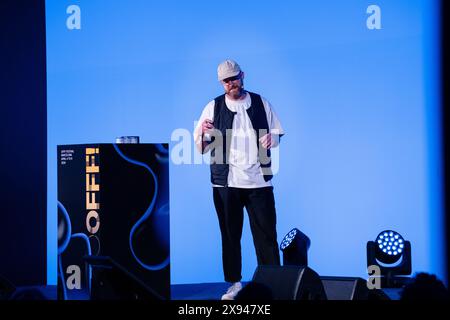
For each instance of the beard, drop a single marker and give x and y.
(236, 91)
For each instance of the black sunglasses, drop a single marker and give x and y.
(230, 79)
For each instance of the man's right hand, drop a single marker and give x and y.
(203, 141)
(207, 125)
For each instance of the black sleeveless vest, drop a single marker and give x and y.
(223, 120)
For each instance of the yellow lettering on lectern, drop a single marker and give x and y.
(90, 201)
(92, 214)
(91, 155)
(90, 183)
(92, 189)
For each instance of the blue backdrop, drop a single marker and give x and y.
(360, 107)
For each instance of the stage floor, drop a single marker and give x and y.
(196, 291)
(199, 291)
(214, 291)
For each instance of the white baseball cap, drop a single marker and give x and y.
(228, 69)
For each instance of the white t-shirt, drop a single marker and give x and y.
(244, 167)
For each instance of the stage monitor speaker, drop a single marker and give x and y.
(111, 281)
(345, 288)
(290, 282)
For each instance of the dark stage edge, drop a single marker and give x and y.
(199, 291)
(196, 291)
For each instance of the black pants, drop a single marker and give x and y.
(260, 205)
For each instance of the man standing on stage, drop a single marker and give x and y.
(239, 128)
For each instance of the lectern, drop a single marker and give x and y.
(113, 201)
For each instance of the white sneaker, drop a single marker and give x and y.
(232, 291)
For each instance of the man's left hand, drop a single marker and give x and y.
(266, 141)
